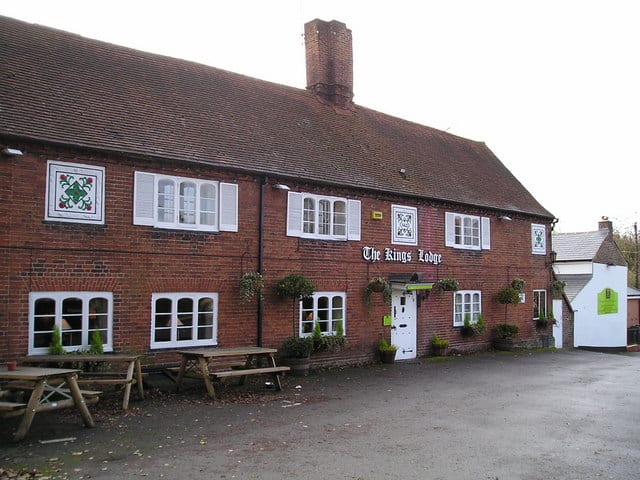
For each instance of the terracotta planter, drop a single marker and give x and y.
(388, 356)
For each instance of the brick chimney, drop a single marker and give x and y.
(329, 54)
(605, 224)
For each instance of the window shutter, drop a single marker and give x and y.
(143, 193)
(450, 229)
(228, 207)
(353, 220)
(294, 214)
(485, 231)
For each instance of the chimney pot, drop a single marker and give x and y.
(605, 224)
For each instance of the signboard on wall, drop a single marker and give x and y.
(607, 301)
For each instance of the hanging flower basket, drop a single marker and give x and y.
(377, 285)
(448, 284)
(250, 285)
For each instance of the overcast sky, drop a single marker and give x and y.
(551, 86)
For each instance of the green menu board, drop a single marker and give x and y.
(607, 301)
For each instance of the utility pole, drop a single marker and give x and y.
(635, 230)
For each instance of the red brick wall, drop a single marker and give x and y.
(134, 261)
(131, 261)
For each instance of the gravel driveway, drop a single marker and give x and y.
(545, 415)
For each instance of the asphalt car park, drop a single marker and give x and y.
(567, 414)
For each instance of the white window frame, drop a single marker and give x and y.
(175, 324)
(473, 306)
(459, 237)
(306, 324)
(184, 212)
(539, 300)
(411, 238)
(538, 239)
(58, 317)
(61, 206)
(305, 217)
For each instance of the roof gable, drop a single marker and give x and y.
(597, 246)
(63, 88)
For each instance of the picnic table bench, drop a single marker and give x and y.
(223, 363)
(127, 377)
(47, 389)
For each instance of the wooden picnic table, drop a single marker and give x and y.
(51, 389)
(131, 376)
(247, 362)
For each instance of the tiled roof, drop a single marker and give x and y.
(64, 88)
(574, 284)
(577, 246)
(633, 292)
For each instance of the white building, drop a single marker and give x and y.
(595, 272)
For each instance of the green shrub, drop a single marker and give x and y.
(330, 342)
(508, 296)
(297, 347)
(96, 346)
(439, 342)
(297, 287)
(385, 346)
(506, 330)
(55, 347)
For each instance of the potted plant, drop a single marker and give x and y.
(517, 284)
(250, 284)
(479, 326)
(557, 288)
(508, 296)
(387, 351)
(330, 342)
(439, 346)
(470, 329)
(448, 284)
(504, 336)
(542, 321)
(296, 287)
(55, 347)
(377, 285)
(296, 353)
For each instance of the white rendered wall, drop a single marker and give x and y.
(573, 268)
(591, 329)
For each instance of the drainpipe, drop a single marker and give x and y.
(260, 319)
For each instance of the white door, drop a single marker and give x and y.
(403, 326)
(557, 327)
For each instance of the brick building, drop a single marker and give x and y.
(137, 189)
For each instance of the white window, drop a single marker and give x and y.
(467, 231)
(322, 217)
(185, 203)
(466, 303)
(77, 314)
(327, 309)
(184, 319)
(538, 239)
(75, 193)
(404, 225)
(539, 304)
